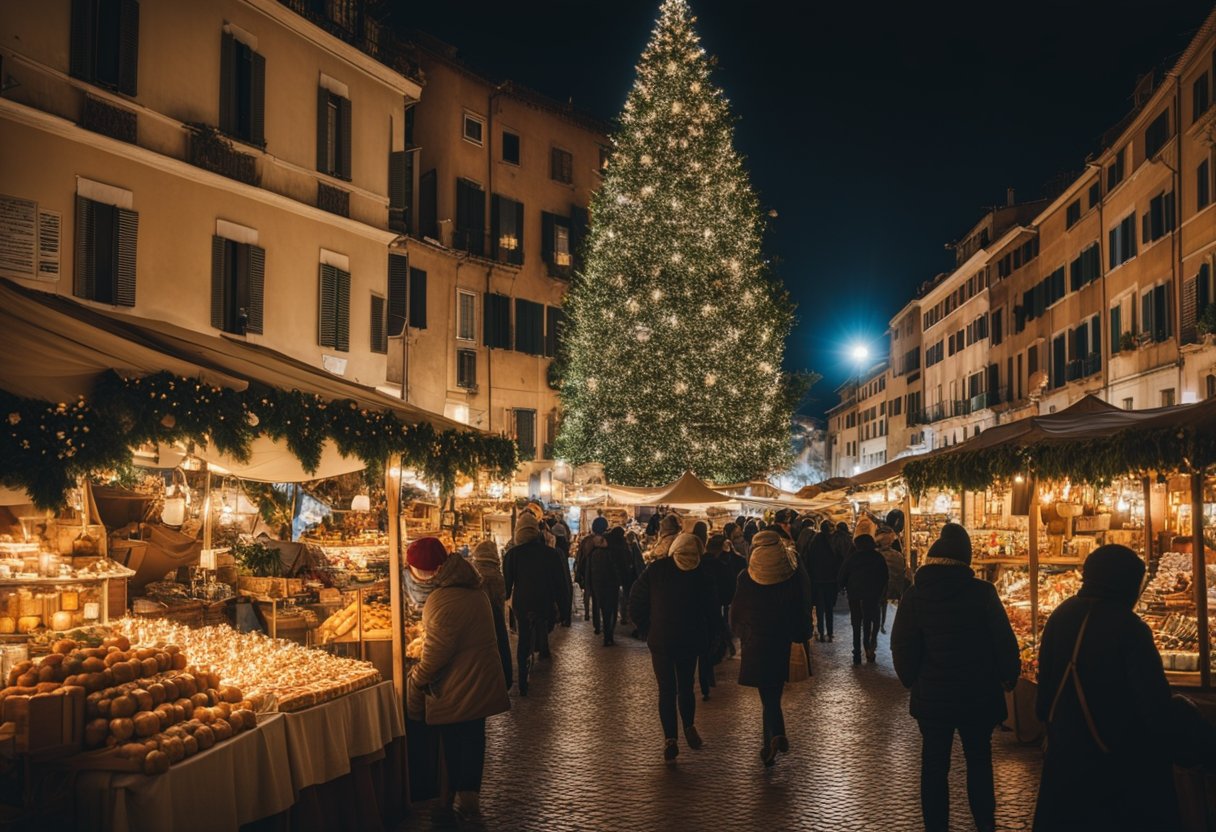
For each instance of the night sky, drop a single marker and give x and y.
(878, 132)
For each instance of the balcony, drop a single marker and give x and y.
(103, 117)
(210, 150)
(1080, 368)
(350, 21)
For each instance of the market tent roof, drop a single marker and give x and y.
(74, 343)
(55, 349)
(688, 490)
(271, 461)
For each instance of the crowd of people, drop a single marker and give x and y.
(1113, 729)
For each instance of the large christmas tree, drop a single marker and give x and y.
(671, 358)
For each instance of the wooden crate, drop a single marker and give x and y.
(271, 587)
(189, 613)
(47, 724)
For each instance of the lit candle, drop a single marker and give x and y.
(92, 611)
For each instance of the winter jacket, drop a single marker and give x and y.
(842, 544)
(952, 645)
(490, 570)
(732, 565)
(767, 619)
(864, 575)
(459, 676)
(537, 581)
(588, 543)
(607, 567)
(898, 577)
(823, 562)
(1132, 787)
(676, 609)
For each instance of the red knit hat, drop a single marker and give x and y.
(426, 555)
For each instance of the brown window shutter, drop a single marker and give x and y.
(255, 266)
(84, 18)
(398, 288)
(1190, 311)
(128, 35)
(257, 100)
(218, 260)
(327, 307)
(323, 130)
(227, 83)
(84, 270)
(342, 312)
(344, 117)
(124, 257)
(379, 342)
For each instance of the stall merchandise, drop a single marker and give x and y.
(347, 624)
(1168, 607)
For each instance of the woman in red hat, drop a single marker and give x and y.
(459, 680)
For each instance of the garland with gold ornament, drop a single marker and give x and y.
(45, 447)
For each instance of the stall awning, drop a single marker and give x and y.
(688, 490)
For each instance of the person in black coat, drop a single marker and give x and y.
(842, 541)
(771, 611)
(675, 603)
(953, 646)
(732, 564)
(716, 649)
(864, 577)
(606, 569)
(637, 565)
(1130, 783)
(537, 581)
(823, 564)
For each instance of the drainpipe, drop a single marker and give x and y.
(1104, 314)
(498, 90)
(1176, 232)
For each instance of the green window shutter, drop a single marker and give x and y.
(379, 341)
(227, 83)
(580, 220)
(396, 180)
(547, 245)
(257, 101)
(1115, 328)
(555, 319)
(327, 311)
(127, 227)
(344, 125)
(489, 331)
(323, 130)
(517, 256)
(256, 270)
(342, 312)
(417, 314)
(84, 22)
(84, 268)
(496, 232)
(218, 282)
(128, 59)
(398, 281)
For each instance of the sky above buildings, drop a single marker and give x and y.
(878, 132)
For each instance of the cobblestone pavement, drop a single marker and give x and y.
(583, 751)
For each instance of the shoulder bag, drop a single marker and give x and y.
(1070, 672)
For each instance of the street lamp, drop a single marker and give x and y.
(859, 352)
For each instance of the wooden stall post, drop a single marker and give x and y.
(1033, 559)
(392, 494)
(908, 527)
(1201, 579)
(1148, 521)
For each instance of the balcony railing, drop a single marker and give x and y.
(1080, 368)
(210, 150)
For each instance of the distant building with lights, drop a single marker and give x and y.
(1107, 288)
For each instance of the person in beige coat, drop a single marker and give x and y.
(458, 682)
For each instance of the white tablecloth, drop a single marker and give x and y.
(256, 774)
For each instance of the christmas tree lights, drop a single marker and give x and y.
(671, 358)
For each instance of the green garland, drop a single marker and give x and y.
(46, 447)
(1096, 461)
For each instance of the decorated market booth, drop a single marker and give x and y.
(163, 724)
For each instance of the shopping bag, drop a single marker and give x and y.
(800, 661)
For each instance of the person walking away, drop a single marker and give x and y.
(737, 542)
(536, 581)
(749, 532)
(1105, 701)
(771, 611)
(458, 681)
(669, 527)
(606, 568)
(732, 564)
(802, 543)
(823, 564)
(783, 524)
(637, 564)
(489, 567)
(586, 546)
(720, 636)
(674, 603)
(562, 532)
(864, 578)
(898, 576)
(842, 541)
(953, 647)
(700, 530)
(865, 525)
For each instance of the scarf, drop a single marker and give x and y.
(771, 562)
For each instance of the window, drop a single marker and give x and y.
(466, 369)
(417, 312)
(555, 320)
(242, 91)
(379, 339)
(238, 279)
(105, 43)
(333, 318)
(1095, 192)
(529, 327)
(525, 433)
(1160, 217)
(401, 189)
(1200, 97)
(1197, 296)
(105, 251)
(561, 166)
(997, 326)
(470, 232)
(1072, 214)
(510, 147)
(1122, 321)
(1203, 185)
(1167, 397)
(474, 128)
(496, 321)
(1123, 241)
(466, 310)
(333, 133)
(555, 244)
(1129, 403)
(507, 230)
(1155, 313)
(1086, 267)
(1059, 361)
(398, 294)
(1032, 360)
(605, 157)
(1114, 173)
(1157, 134)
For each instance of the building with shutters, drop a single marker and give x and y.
(499, 182)
(1108, 288)
(222, 166)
